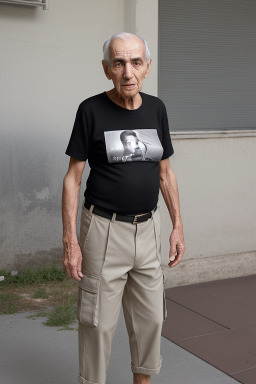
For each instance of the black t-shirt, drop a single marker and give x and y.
(123, 148)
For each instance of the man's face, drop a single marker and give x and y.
(130, 143)
(128, 66)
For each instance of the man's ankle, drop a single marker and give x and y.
(140, 378)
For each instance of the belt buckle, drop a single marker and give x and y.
(136, 218)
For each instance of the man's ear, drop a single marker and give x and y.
(105, 68)
(148, 67)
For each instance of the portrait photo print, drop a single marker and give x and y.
(133, 145)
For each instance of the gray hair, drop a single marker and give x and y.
(123, 36)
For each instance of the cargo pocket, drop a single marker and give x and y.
(87, 305)
(164, 302)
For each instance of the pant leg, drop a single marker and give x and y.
(108, 254)
(95, 345)
(143, 300)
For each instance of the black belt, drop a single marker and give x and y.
(129, 219)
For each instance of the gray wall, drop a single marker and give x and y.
(51, 62)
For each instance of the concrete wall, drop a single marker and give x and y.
(51, 62)
(217, 186)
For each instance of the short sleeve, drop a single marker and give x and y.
(166, 142)
(78, 145)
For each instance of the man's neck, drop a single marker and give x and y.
(127, 103)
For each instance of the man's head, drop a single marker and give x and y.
(126, 62)
(129, 140)
(123, 36)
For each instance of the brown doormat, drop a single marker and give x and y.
(216, 321)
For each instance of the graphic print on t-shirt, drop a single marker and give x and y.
(133, 145)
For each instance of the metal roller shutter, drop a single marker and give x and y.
(207, 63)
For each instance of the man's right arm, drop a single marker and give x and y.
(72, 256)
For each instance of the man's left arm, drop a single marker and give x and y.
(169, 189)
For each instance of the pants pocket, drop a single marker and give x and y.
(86, 224)
(164, 302)
(88, 294)
(157, 227)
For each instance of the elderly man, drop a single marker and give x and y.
(117, 258)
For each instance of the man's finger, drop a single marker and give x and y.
(173, 252)
(74, 273)
(79, 274)
(67, 270)
(79, 268)
(177, 258)
(65, 265)
(172, 258)
(175, 262)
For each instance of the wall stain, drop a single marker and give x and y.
(39, 259)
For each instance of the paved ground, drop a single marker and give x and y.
(216, 321)
(31, 353)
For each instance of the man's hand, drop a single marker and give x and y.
(177, 247)
(169, 189)
(72, 260)
(72, 256)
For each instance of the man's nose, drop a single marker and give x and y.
(128, 73)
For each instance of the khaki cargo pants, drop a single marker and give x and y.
(121, 264)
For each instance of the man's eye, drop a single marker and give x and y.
(136, 63)
(118, 64)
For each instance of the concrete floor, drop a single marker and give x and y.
(215, 321)
(32, 353)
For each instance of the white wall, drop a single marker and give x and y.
(217, 191)
(217, 187)
(50, 62)
(141, 18)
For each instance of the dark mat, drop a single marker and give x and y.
(231, 302)
(246, 377)
(230, 351)
(185, 323)
(216, 321)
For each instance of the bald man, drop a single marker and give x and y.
(117, 257)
